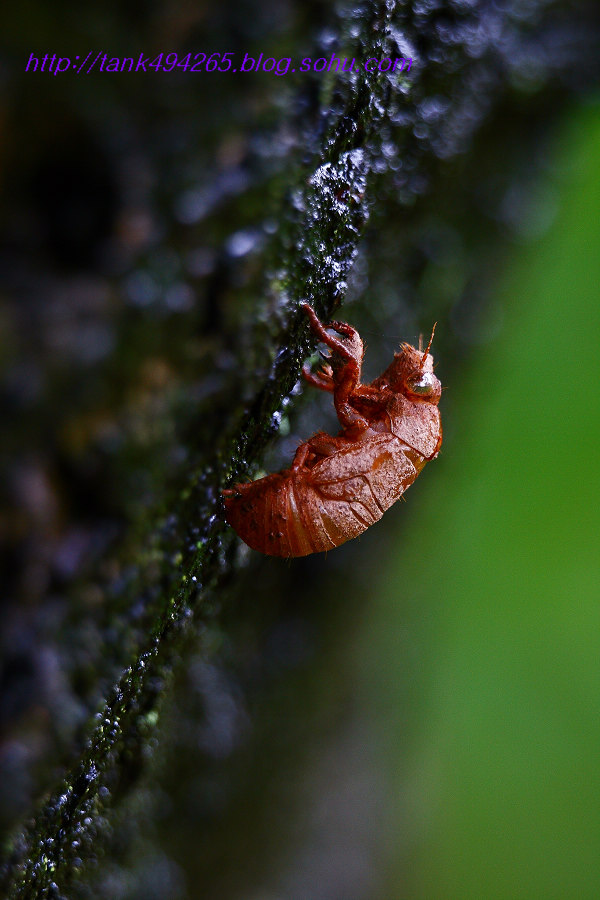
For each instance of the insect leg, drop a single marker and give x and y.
(349, 417)
(324, 445)
(237, 490)
(300, 456)
(319, 445)
(347, 379)
(323, 379)
(341, 327)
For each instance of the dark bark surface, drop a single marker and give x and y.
(158, 238)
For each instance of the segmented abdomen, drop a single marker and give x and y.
(316, 508)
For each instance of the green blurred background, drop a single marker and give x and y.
(497, 581)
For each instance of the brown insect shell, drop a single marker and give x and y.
(337, 365)
(413, 418)
(339, 486)
(344, 487)
(406, 367)
(354, 345)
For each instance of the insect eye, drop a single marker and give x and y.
(422, 385)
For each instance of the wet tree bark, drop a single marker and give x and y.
(346, 148)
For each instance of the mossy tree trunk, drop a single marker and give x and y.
(191, 392)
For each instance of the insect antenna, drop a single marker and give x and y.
(428, 347)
